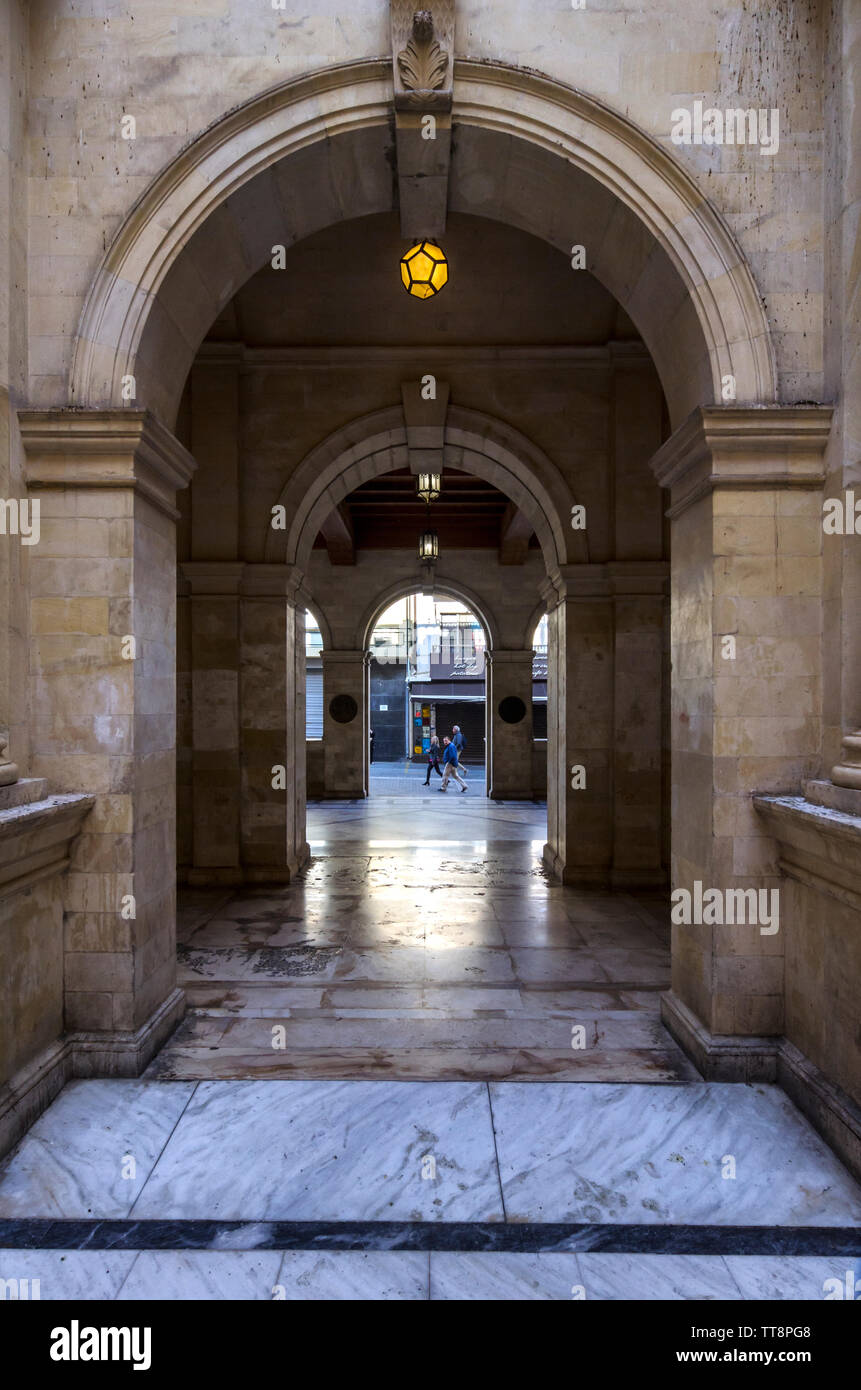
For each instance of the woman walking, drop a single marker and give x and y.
(433, 759)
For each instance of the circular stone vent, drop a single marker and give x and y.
(343, 709)
(512, 709)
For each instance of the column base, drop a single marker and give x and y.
(127, 1054)
(215, 877)
(623, 879)
(770, 1059)
(28, 1093)
(552, 863)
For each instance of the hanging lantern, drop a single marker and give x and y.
(424, 269)
(428, 486)
(428, 545)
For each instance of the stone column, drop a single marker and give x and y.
(215, 660)
(103, 621)
(639, 603)
(580, 725)
(345, 723)
(746, 699)
(508, 676)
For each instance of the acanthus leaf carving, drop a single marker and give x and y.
(423, 64)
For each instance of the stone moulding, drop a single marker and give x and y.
(105, 448)
(743, 447)
(524, 105)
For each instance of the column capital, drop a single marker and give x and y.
(576, 582)
(275, 581)
(105, 448)
(743, 447)
(346, 657)
(216, 578)
(501, 656)
(639, 577)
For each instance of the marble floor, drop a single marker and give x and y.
(444, 1190)
(427, 945)
(342, 1113)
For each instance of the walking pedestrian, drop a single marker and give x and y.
(459, 742)
(433, 759)
(449, 758)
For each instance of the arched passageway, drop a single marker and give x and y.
(582, 460)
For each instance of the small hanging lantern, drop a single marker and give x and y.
(428, 486)
(428, 545)
(424, 269)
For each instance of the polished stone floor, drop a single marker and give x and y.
(424, 943)
(342, 1116)
(227, 1189)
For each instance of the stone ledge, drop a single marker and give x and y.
(23, 792)
(36, 837)
(818, 845)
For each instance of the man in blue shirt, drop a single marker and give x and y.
(449, 759)
(459, 742)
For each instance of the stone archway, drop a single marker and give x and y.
(312, 151)
(295, 159)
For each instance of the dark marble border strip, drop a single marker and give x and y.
(49, 1234)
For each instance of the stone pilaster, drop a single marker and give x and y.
(745, 636)
(103, 623)
(346, 702)
(215, 665)
(580, 725)
(640, 597)
(508, 676)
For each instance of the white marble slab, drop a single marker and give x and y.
(670, 1277)
(652, 1154)
(801, 1276)
(69, 1274)
(207, 1275)
(392, 1276)
(329, 1150)
(72, 1161)
(503, 1277)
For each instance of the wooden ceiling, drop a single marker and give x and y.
(386, 514)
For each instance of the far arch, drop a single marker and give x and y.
(476, 443)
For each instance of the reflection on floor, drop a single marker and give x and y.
(424, 946)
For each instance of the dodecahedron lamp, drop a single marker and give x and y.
(424, 270)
